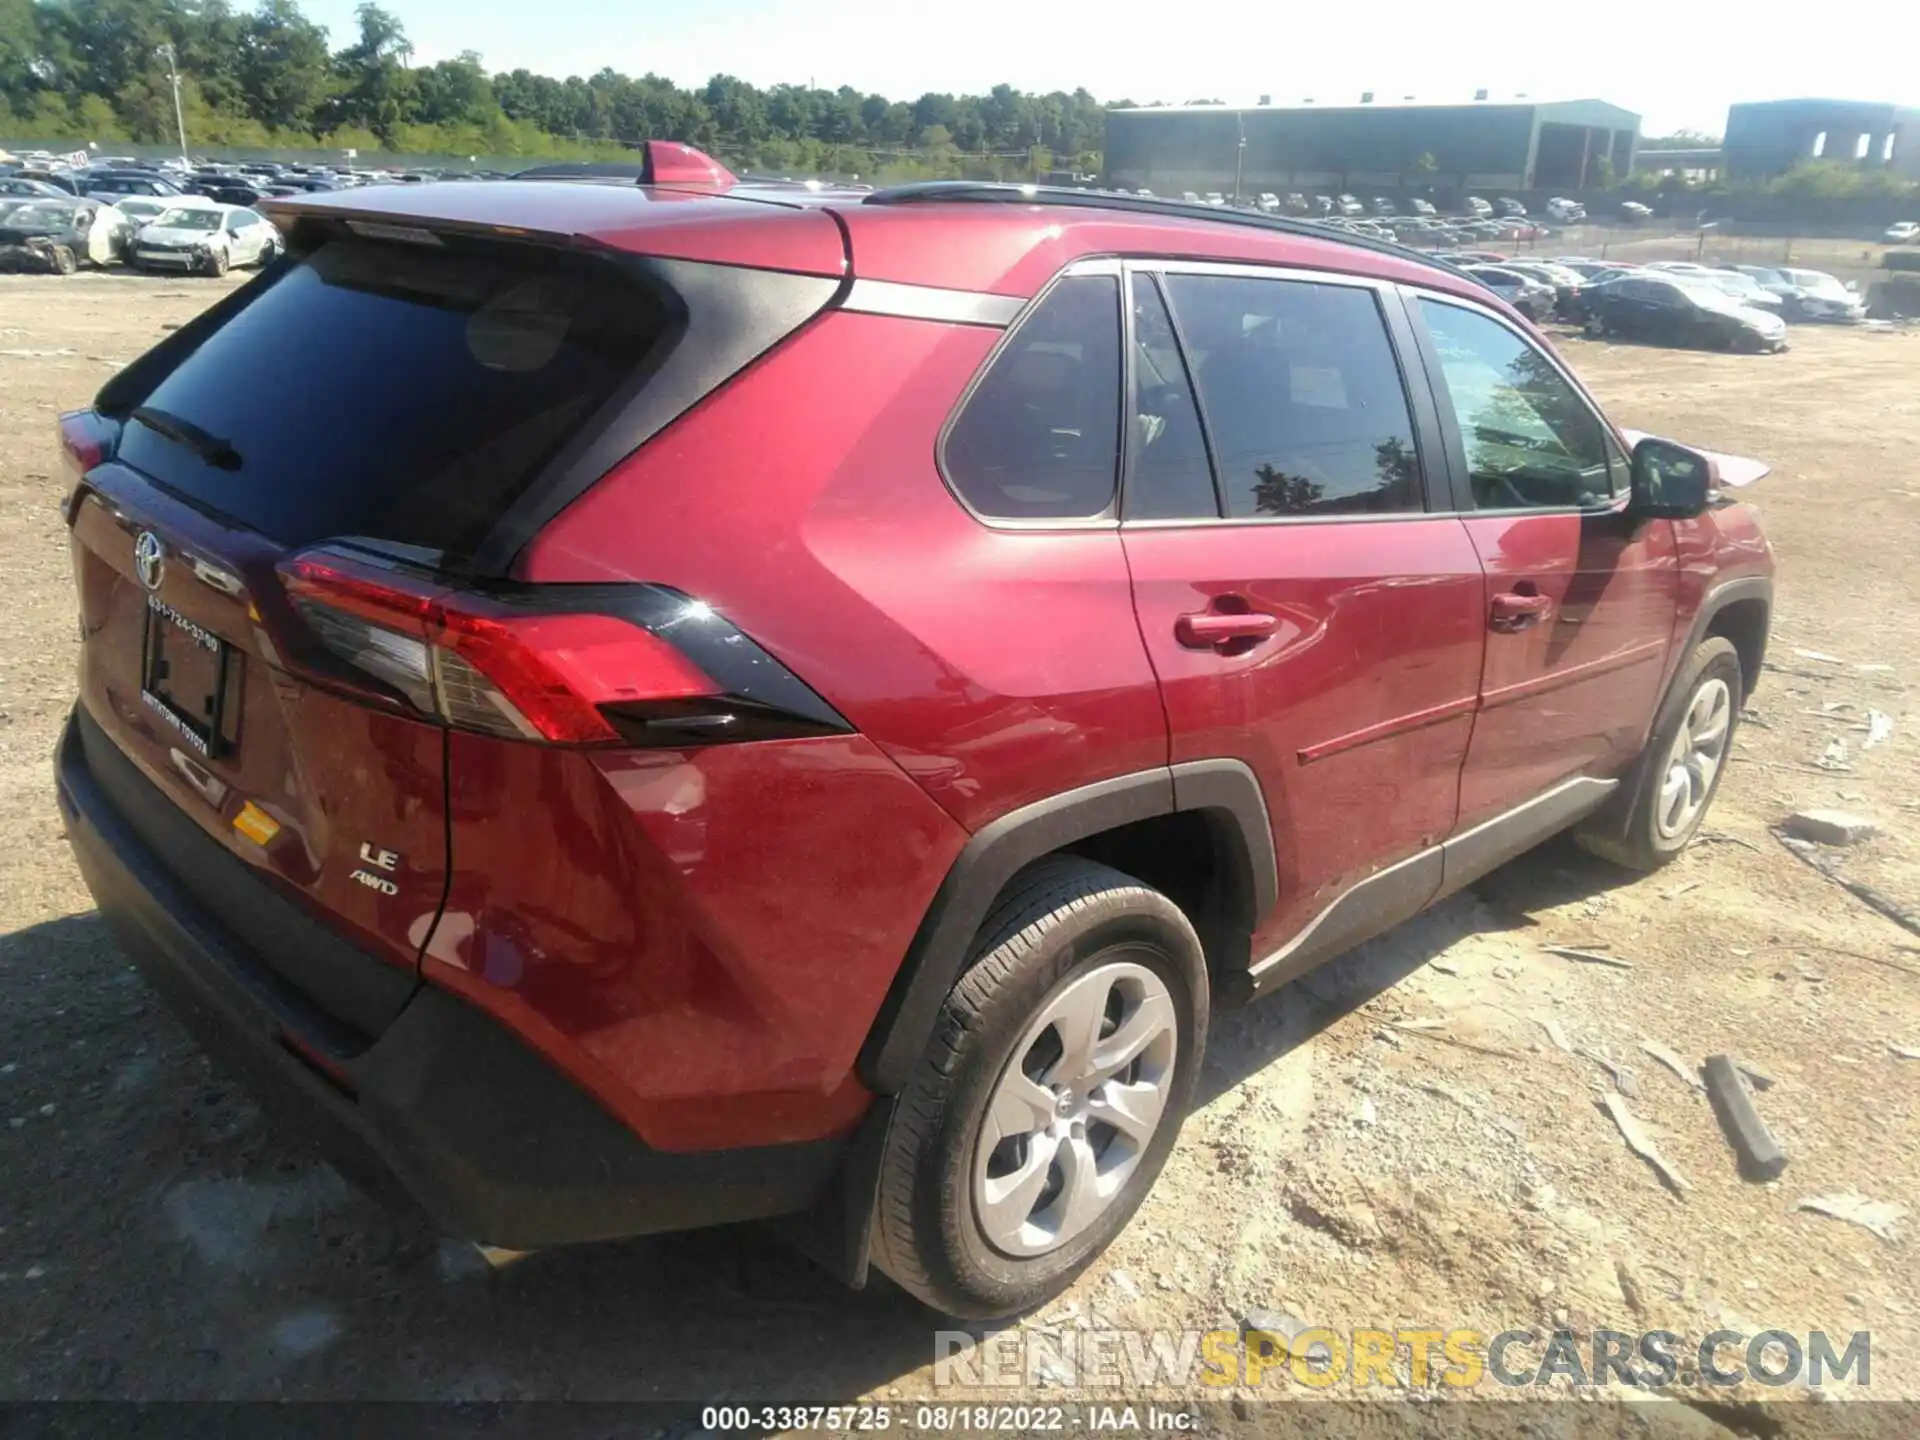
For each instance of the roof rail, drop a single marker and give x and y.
(663, 162)
(986, 192)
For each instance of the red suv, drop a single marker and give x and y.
(649, 701)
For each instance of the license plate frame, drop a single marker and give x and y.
(177, 652)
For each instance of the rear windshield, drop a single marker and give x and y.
(397, 391)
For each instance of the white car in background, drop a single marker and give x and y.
(205, 239)
(142, 210)
(1902, 232)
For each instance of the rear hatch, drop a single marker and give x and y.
(273, 502)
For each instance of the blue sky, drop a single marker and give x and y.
(1678, 65)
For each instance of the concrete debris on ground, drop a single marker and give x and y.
(1672, 1061)
(1882, 1217)
(1642, 1144)
(1829, 827)
(1761, 1155)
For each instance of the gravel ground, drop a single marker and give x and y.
(1400, 1140)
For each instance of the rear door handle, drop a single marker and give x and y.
(1206, 629)
(1513, 611)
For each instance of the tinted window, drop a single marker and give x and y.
(1171, 478)
(1302, 396)
(1531, 440)
(1039, 438)
(397, 391)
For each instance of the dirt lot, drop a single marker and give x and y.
(1399, 1141)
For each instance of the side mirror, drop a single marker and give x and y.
(1670, 482)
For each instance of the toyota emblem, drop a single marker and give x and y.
(147, 554)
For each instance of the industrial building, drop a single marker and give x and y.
(1516, 145)
(1768, 137)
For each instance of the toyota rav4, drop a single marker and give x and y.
(637, 700)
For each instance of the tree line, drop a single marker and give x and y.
(96, 70)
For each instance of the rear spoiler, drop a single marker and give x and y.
(1734, 472)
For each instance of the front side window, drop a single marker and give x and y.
(1039, 438)
(1532, 441)
(1302, 395)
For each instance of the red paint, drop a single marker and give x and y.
(1371, 672)
(332, 772)
(995, 667)
(703, 936)
(1574, 692)
(671, 163)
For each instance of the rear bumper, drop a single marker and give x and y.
(445, 1106)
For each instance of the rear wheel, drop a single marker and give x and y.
(1052, 1090)
(64, 262)
(1667, 795)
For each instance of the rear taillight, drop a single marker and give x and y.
(481, 666)
(86, 439)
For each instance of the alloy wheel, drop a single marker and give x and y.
(1698, 751)
(1075, 1109)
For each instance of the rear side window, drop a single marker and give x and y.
(1302, 394)
(400, 392)
(1171, 479)
(1039, 438)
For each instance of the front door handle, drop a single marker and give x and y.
(1513, 611)
(1207, 629)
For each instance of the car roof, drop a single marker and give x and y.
(1006, 240)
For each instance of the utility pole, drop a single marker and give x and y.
(179, 115)
(1239, 157)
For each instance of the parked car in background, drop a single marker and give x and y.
(1383, 206)
(62, 180)
(1214, 197)
(19, 187)
(60, 235)
(1533, 298)
(205, 239)
(1323, 205)
(1632, 211)
(242, 193)
(110, 185)
(1507, 205)
(1475, 206)
(1567, 212)
(1349, 205)
(1746, 290)
(1671, 308)
(1192, 197)
(857, 894)
(1902, 232)
(1567, 284)
(1822, 297)
(1422, 207)
(1774, 282)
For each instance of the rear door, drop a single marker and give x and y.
(1580, 600)
(1306, 610)
(401, 396)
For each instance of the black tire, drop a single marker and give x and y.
(1055, 923)
(217, 264)
(1627, 829)
(64, 262)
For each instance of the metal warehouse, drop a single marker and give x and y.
(1767, 137)
(1495, 145)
